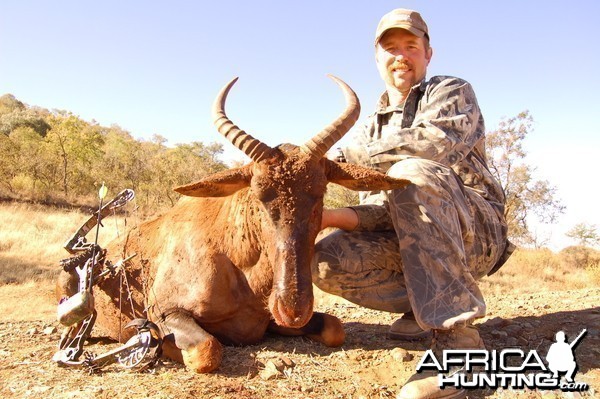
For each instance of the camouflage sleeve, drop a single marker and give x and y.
(445, 128)
(373, 217)
(373, 211)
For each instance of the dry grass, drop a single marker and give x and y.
(534, 270)
(32, 238)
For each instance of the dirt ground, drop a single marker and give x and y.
(368, 366)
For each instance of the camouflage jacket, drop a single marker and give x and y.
(440, 121)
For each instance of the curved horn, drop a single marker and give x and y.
(322, 142)
(252, 147)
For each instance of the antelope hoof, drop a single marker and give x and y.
(205, 357)
(332, 333)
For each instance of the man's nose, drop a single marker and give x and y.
(399, 55)
(399, 58)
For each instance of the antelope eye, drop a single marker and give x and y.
(267, 194)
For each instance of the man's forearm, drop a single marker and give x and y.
(342, 218)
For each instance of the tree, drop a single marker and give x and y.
(8, 104)
(583, 255)
(171, 167)
(75, 146)
(585, 234)
(21, 158)
(525, 196)
(44, 153)
(15, 114)
(123, 163)
(8, 170)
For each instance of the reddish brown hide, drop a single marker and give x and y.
(233, 257)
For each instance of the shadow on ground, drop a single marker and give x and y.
(18, 271)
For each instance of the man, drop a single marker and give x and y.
(419, 250)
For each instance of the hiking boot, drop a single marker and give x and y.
(425, 385)
(406, 328)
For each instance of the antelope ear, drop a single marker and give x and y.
(360, 178)
(219, 184)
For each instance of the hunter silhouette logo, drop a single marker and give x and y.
(508, 368)
(560, 356)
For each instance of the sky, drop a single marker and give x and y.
(155, 67)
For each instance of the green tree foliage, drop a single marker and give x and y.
(14, 114)
(525, 196)
(586, 235)
(75, 146)
(583, 255)
(21, 155)
(172, 167)
(8, 104)
(69, 158)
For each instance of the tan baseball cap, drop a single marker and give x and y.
(404, 19)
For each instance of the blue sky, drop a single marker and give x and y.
(155, 67)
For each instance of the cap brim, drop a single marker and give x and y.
(411, 29)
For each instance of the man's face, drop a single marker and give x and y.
(402, 59)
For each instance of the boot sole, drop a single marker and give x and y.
(409, 337)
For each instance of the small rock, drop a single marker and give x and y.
(495, 322)
(49, 330)
(270, 371)
(307, 389)
(32, 331)
(499, 334)
(279, 364)
(289, 363)
(401, 355)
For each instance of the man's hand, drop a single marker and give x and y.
(336, 155)
(342, 218)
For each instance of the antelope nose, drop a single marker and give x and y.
(294, 316)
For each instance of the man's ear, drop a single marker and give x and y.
(429, 54)
(219, 184)
(361, 178)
